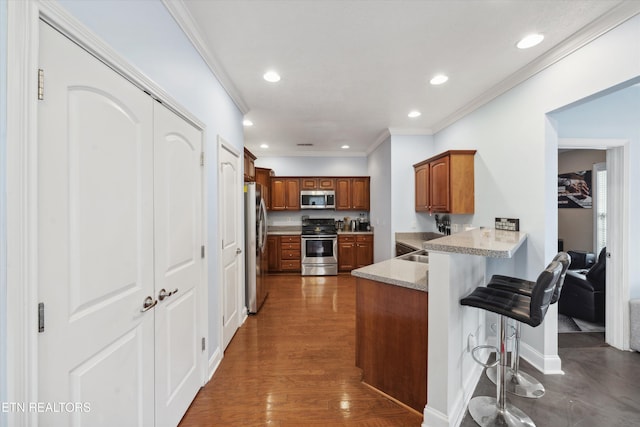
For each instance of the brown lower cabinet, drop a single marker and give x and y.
(391, 340)
(284, 253)
(354, 251)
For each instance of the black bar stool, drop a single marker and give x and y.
(518, 382)
(489, 411)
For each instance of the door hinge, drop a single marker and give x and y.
(204, 343)
(202, 251)
(40, 84)
(41, 317)
(202, 159)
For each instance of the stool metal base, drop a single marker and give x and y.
(522, 384)
(484, 411)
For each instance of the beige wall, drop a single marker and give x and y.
(575, 226)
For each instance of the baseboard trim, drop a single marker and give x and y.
(548, 365)
(435, 418)
(214, 363)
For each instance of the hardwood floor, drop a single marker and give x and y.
(293, 364)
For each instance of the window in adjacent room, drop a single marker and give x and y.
(600, 206)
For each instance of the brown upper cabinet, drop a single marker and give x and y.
(249, 166)
(445, 183)
(285, 194)
(310, 183)
(352, 193)
(263, 176)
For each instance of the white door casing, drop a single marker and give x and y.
(95, 240)
(231, 218)
(617, 324)
(178, 264)
(618, 187)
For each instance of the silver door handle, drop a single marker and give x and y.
(148, 304)
(238, 251)
(164, 294)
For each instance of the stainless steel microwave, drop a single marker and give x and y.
(324, 199)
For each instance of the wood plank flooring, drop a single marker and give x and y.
(293, 364)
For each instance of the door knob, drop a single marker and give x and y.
(238, 251)
(164, 294)
(148, 304)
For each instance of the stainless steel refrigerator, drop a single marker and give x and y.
(255, 246)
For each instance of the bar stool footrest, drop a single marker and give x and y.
(483, 347)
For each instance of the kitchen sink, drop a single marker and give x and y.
(418, 256)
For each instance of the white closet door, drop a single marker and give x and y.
(231, 219)
(95, 241)
(178, 271)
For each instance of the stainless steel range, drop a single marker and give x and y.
(319, 247)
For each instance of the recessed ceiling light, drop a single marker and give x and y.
(271, 76)
(414, 114)
(530, 41)
(247, 122)
(345, 147)
(439, 79)
(264, 145)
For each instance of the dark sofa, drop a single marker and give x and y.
(583, 294)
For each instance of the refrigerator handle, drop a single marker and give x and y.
(263, 225)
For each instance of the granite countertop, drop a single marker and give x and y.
(415, 240)
(398, 272)
(284, 230)
(486, 242)
(297, 229)
(340, 232)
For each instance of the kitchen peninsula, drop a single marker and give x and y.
(392, 329)
(437, 353)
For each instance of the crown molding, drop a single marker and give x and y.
(185, 21)
(344, 153)
(410, 131)
(389, 132)
(613, 18)
(384, 135)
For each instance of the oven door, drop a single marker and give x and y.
(319, 250)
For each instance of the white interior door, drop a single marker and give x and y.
(231, 219)
(178, 263)
(95, 241)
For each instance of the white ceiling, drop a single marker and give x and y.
(353, 69)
